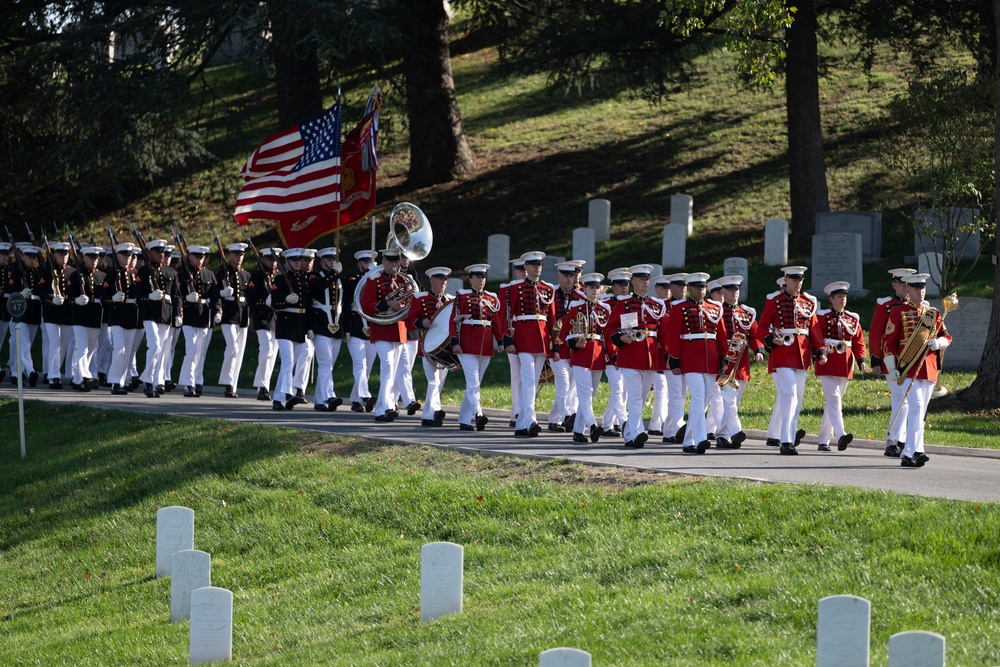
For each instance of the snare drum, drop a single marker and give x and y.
(436, 344)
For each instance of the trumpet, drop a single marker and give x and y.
(839, 348)
(402, 294)
(785, 340)
(638, 335)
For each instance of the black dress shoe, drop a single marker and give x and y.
(439, 417)
(568, 422)
(334, 403)
(277, 405)
(301, 395)
(263, 394)
(787, 448)
(198, 389)
(481, 421)
(512, 423)
(32, 378)
(640, 440)
(801, 433)
(670, 439)
(55, 384)
(891, 450)
(595, 433)
(134, 383)
(824, 447)
(357, 407)
(580, 437)
(370, 403)
(737, 440)
(690, 449)
(293, 401)
(427, 422)
(102, 379)
(117, 390)
(679, 436)
(412, 408)
(151, 391)
(3, 374)
(521, 433)
(616, 431)
(772, 442)
(321, 407)
(907, 462)
(189, 393)
(703, 446)
(390, 415)
(76, 387)
(465, 427)
(844, 441)
(723, 443)
(230, 393)
(160, 389)
(169, 386)
(557, 428)
(13, 379)
(630, 444)
(654, 431)
(381, 419)
(534, 430)
(920, 459)
(711, 436)
(89, 384)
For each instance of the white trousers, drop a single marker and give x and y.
(362, 359)
(790, 384)
(156, 341)
(474, 366)
(28, 333)
(232, 362)
(196, 341)
(699, 386)
(916, 404)
(327, 351)
(404, 371)
(565, 401)
(60, 341)
(122, 352)
(515, 385)
(530, 367)
(615, 413)
(833, 414)
(388, 359)
(900, 427)
(267, 354)
(294, 373)
(658, 414)
(586, 382)
(435, 382)
(637, 385)
(730, 423)
(675, 404)
(103, 356)
(85, 346)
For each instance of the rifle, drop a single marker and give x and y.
(260, 264)
(222, 256)
(114, 258)
(179, 240)
(52, 265)
(185, 262)
(145, 254)
(17, 254)
(75, 247)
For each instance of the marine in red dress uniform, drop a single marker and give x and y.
(517, 271)
(740, 320)
(564, 402)
(383, 294)
(896, 439)
(475, 328)
(582, 339)
(423, 307)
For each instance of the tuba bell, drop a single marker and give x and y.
(410, 231)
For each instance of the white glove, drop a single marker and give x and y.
(292, 299)
(935, 344)
(57, 300)
(118, 297)
(167, 298)
(890, 366)
(178, 322)
(82, 300)
(226, 291)
(310, 335)
(26, 292)
(155, 295)
(218, 318)
(338, 267)
(267, 301)
(192, 297)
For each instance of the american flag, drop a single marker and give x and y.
(295, 174)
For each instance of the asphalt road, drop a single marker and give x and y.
(952, 472)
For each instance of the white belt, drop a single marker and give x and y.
(477, 323)
(800, 332)
(322, 306)
(698, 336)
(167, 298)
(522, 318)
(834, 342)
(585, 336)
(291, 310)
(241, 299)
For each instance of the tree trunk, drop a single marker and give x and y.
(296, 66)
(439, 149)
(806, 164)
(984, 392)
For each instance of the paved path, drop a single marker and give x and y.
(952, 472)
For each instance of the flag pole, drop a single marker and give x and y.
(340, 204)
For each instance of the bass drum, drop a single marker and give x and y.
(436, 344)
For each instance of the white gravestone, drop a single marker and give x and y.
(738, 266)
(657, 270)
(441, 565)
(599, 219)
(583, 247)
(916, 648)
(843, 631)
(682, 212)
(452, 285)
(835, 257)
(868, 225)
(967, 325)
(674, 246)
(934, 226)
(776, 242)
(174, 532)
(549, 272)
(498, 256)
(211, 625)
(930, 263)
(190, 569)
(564, 657)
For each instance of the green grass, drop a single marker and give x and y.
(318, 538)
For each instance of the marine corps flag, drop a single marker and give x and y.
(360, 163)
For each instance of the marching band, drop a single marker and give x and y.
(689, 342)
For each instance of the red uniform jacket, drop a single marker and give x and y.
(532, 315)
(902, 321)
(373, 302)
(424, 305)
(584, 323)
(831, 328)
(639, 354)
(696, 336)
(880, 318)
(741, 319)
(563, 302)
(476, 322)
(783, 314)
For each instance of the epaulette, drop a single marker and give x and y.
(809, 296)
(418, 295)
(852, 314)
(884, 300)
(717, 303)
(774, 294)
(464, 291)
(623, 297)
(544, 282)
(504, 285)
(657, 300)
(823, 311)
(515, 282)
(753, 313)
(492, 294)
(604, 305)
(677, 301)
(574, 304)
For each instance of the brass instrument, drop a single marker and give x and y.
(786, 340)
(948, 304)
(578, 331)
(915, 349)
(410, 230)
(839, 348)
(737, 345)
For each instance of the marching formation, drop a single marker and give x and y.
(689, 341)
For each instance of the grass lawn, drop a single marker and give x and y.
(319, 540)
